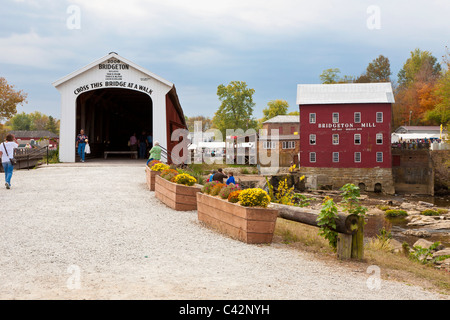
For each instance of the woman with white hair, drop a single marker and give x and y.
(155, 153)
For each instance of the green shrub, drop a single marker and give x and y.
(442, 211)
(300, 200)
(383, 207)
(429, 212)
(395, 213)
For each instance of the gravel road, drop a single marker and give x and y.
(96, 232)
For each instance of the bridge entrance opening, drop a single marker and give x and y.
(109, 117)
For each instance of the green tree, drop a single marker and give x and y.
(275, 108)
(236, 109)
(52, 125)
(206, 122)
(330, 76)
(419, 60)
(379, 70)
(21, 121)
(9, 99)
(38, 120)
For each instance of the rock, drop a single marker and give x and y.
(396, 246)
(421, 221)
(417, 233)
(439, 225)
(423, 243)
(426, 204)
(407, 205)
(444, 252)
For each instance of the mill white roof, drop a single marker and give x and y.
(345, 93)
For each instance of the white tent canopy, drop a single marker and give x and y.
(395, 137)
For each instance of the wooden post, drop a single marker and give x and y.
(344, 246)
(358, 241)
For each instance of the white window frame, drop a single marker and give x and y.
(359, 117)
(288, 144)
(335, 160)
(269, 145)
(312, 137)
(333, 116)
(354, 139)
(377, 138)
(312, 118)
(378, 155)
(381, 115)
(332, 139)
(356, 157)
(311, 155)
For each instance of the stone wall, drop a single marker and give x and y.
(413, 171)
(441, 164)
(368, 179)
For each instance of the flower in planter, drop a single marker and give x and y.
(159, 167)
(254, 197)
(153, 162)
(225, 192)
(216, 189)
(233, 197)
(169, 174)
(185, 179)
(208, 186)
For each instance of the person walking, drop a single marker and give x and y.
(7, 153)
(133, 145)
(143, 143)
(81, 141)
(155, 152)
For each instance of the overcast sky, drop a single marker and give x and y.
(200, 44)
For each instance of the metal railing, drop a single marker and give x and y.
(25, 155)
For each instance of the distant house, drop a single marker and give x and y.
(41, 138)
(288, 127)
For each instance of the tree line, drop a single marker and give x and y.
(421, 91)
(10, 99)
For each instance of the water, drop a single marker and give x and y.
(399, 224)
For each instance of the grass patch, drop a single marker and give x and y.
(395, 213)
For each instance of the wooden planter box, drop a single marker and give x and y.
(176, 196)
(150, 178)
(247, 224)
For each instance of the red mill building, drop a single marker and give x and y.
(345, 135)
